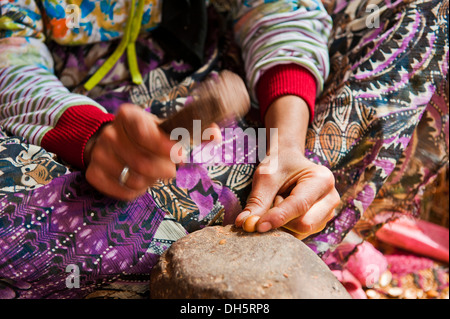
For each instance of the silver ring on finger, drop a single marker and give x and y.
(124, 175)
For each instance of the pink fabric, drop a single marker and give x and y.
(418, 236)
(367, 264)
(351, 284)
(404, 263)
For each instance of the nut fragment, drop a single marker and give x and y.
(385, 278)
(410, 294)
(432, 293)
(267, 285)
(250, 223)
(372, 294)
(395, 291)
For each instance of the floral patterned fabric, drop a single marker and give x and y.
(385, 103)
(290, 32)
(367, 121)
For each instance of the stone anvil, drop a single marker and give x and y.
(228, 263)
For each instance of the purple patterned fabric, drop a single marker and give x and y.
(381, 126)
(68, 223)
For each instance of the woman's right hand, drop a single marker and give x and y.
(135, 140)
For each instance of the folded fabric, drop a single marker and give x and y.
(417, 236)
(351, 284)
(367, 264)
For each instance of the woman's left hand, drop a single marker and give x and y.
(288, 189)
(300, 196)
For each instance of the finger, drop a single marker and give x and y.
(109, 186)
(317, 217)
(141, 129)
(133, 181)
(300, 200)
(142, 162)
(106, 160)
(149, 167)
(278, 200)
(289, 228)
(260, 199)
(302, 236)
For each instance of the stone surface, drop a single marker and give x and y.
(226, 262)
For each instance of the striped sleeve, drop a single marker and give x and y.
(273, 33)
(33, 102)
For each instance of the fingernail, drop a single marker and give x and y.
(263, 227)
(241, 218)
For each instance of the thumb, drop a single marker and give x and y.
(259, 201)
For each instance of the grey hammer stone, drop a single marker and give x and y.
(228, 263)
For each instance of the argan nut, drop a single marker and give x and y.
(385, 278)
(432, 293)
(250, 223)
(395, 291)
(410, 294)
(267, 285)
(372, 294)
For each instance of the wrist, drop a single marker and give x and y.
(72, 131)
(286, 79)
(289, 114)
(87, 152)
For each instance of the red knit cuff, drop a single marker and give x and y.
(72, 131)
(286, 79)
